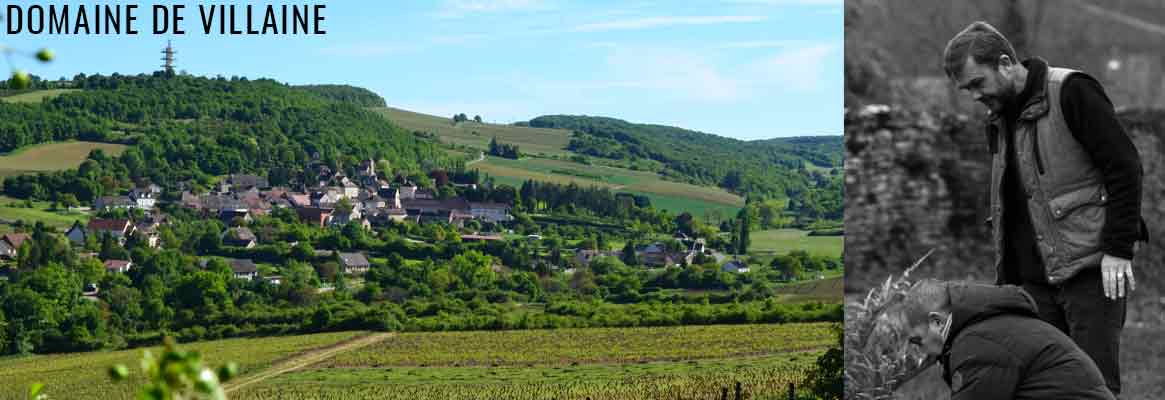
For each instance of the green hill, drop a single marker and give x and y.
(764, 167)
(675, 166)
(346, 94)
(35, 96)
(194, 128)
(477, 135)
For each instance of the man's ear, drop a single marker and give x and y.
(1005, 61)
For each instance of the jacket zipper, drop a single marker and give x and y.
(1036, 148)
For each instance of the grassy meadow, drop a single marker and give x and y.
(673, 196)
(473, 134)
(52, 156)
(13, 209)
(35, 96)
(781, 241)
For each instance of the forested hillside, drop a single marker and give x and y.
(346, 94)
(193, 128)
(771, 168)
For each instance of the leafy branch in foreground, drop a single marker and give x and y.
(877, 359)
(178, 375)
(21, 79)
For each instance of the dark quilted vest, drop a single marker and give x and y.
(1065, 191)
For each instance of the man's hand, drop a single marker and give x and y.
(1115, 271)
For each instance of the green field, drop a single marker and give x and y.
(83, 375)
(529, 140)
(673, 196)
(566, 346)
(764, 377)
(831, 289)
(52, 156)
(607, 363)
(12, 210)
(781, 241)
(35, 96)
(601, 363)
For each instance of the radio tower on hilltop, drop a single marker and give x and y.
(168, 59)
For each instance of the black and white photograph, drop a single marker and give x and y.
(1004, 179)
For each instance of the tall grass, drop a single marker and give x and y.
(878, 358)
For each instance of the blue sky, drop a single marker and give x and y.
(749, 69)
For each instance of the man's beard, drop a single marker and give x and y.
(1006, 99)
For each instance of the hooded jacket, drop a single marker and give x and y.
(998, 348)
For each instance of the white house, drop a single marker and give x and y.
(143, 198)
(243, 269)
(114, 202)
(735, 266)
(492, 212)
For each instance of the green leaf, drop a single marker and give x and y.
(34, 390)
(228, 371)
(118, 372)
(44, 55)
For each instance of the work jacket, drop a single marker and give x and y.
(997, 348)
(1065, 191)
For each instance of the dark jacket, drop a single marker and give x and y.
(1067, 192)
(998, 348)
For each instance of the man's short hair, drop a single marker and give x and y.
(925, 297)
(982, 42)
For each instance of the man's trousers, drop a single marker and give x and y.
(1079, 309)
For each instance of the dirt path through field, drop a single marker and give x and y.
(306, 359)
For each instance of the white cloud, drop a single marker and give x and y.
(656, 22)
(700, 74)
(668, 74)
(367, 49)
(838, 3)
(800, 68)
(461, 8)
(761, 44)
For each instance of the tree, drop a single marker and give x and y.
(68, 200)
(473, 270)
(742, 240)
(628, 256)
(303, 251)
(209, 242)
(685, 223)
(111, 250)
(344, 206)
(732, 180)
(477, 118)
(790, 267)
(440, 177)
(827, 378)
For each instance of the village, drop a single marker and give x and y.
(333, 199)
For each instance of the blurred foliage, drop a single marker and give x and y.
(178, 375)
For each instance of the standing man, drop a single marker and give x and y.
(1065, 189)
